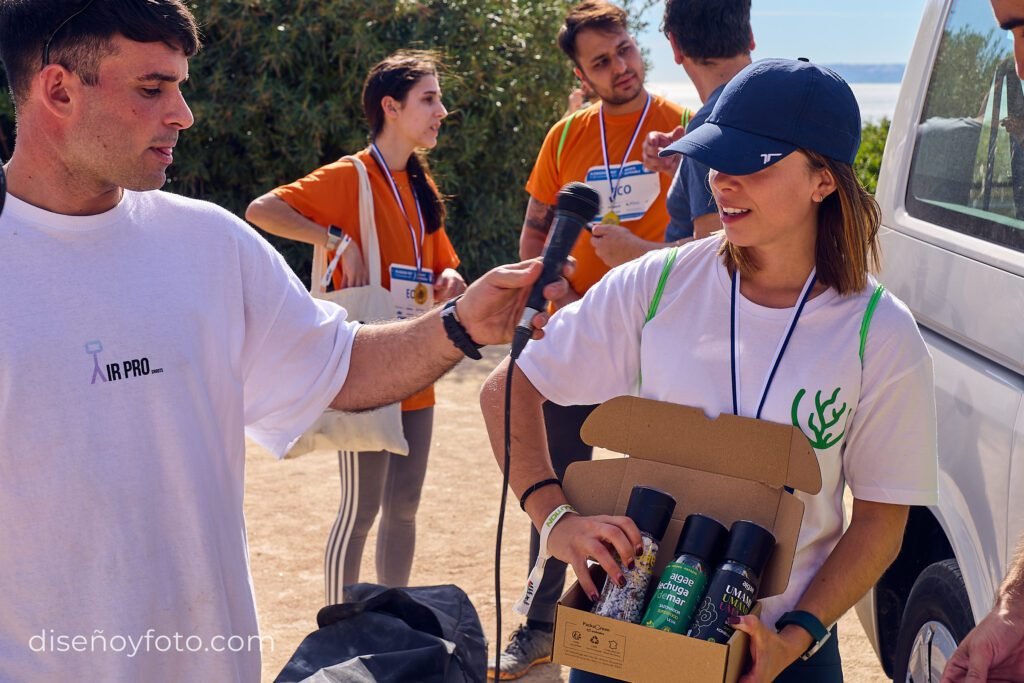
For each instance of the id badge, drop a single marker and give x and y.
(636, 190)
(412, 291)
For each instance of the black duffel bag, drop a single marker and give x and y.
(430, 634)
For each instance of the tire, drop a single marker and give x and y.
(937, 618)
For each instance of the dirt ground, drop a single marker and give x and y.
(290, 506)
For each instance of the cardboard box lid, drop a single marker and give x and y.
(757, 450)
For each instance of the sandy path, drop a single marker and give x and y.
(291, 505)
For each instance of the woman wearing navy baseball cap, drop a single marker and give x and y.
(776, 317)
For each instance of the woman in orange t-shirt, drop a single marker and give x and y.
(402, 105)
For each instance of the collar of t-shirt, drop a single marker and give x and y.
(22, 211)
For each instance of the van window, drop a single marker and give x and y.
(967, 172)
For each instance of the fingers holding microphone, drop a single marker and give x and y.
(485, 308)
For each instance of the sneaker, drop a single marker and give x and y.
(526, 647)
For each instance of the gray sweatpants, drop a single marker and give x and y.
(372, 481)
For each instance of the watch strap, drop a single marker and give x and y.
(809, 623)
(456, 331)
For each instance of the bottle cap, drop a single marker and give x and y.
(750, 544)
(651, 509)
(703, 537)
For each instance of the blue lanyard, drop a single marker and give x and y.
(417, 248)
(614, 187)
(783, 343)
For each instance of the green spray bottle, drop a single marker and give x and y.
(683, 582)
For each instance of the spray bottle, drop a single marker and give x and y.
(733, 589)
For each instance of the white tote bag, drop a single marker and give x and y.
(376, 430)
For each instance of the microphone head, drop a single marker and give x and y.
(579, 199)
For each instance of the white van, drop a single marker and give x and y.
(951, 191)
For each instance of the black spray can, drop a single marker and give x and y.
(733, 588)
(682, 584)
(651, 510)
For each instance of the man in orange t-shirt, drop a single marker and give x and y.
(609, 61)
(601, 145)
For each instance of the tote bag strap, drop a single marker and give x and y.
(367, 235)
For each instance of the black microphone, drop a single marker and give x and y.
(577, 205)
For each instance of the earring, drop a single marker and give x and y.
(818, 199)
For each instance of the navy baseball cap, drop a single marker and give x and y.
(769, 110)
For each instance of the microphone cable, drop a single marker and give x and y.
(577, 205)
(501, 512)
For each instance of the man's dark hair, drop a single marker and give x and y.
(708, 29)
(80, 44)
(595, 15)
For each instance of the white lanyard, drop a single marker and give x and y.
(604, 149)
(734, 334)
(416, 246)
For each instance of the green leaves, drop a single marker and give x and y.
(869, 157)
(276, 93)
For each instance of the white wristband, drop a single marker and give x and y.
(345, 241)
(522, 605)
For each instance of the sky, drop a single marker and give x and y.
(825, 31)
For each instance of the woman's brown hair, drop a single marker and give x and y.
(394, 77)
(846, 248)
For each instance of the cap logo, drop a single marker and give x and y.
(767, 158)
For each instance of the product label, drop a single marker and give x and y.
(676, 598)
(731, 595)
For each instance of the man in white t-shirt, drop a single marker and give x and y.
(142, 335)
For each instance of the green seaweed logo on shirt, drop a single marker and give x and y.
(824, 418)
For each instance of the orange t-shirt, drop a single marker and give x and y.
(330, 196)
(641, 204)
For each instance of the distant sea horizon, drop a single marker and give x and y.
(876, 87)
(877, 100)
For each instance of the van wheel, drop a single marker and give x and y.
(937, 618)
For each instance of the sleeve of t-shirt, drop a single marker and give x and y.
(677, 202)
(698, 189)
(327, 196)
(543, 183)
(890, 455)
(296, 352)
(591, 349)
(444, 252)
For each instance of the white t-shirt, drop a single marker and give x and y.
(135, 346)
(881, 443)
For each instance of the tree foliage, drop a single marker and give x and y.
(276, 93)
(963, 72)
(869, 157)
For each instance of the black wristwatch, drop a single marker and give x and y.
(809, 623)
(457, 332)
